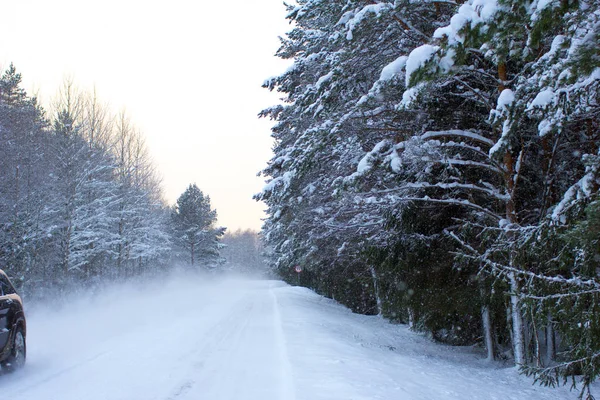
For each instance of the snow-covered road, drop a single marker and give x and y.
(239, 339)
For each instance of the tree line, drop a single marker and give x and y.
(437, 162)
(244, 253)
(81, 201)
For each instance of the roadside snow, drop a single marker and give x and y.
(340, 355)
(194, 339)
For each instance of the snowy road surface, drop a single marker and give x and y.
(233, 339)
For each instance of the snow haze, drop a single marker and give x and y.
(191, 337)
(189, 75)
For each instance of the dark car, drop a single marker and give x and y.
(12, 327)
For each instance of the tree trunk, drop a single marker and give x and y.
(518, 335)
(192, 253)
(376, 290)
(486, 320)
(550, 343)
(411, 318)
(487, 333)
(515, 301)
(538, 347)
(502, 76)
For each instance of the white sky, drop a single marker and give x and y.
(188, 72)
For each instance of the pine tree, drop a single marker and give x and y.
(85, 203)
(471, 128)
(541, 67)
(332, 113)
(24, 187)
(193, 221)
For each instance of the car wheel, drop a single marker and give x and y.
(18, 353)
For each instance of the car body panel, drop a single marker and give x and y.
(12, 316)
(4, 328)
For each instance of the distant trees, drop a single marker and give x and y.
(434, 162)
(194, 231)
(142, 216)
(80, 201)
(243, 251)
(85, 196)
(25, 173)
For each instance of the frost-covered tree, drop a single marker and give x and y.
(24, 184)
(329, 117)
(430, 149)
(62, 198)
(545, 57)
(519, 60)
(84, 204)
(141, 225)
(243, 251)
(193, 225)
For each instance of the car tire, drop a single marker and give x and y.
(18, 353)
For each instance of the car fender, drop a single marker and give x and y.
(20, 321)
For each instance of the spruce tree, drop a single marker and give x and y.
(470, 128)
(193, 223)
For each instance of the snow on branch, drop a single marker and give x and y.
(562, 295)
(417, 59)
(582, 190)
(488, 166)
(427, 199)
(502, 268)
(456, 185)
(457, 133)
(367, 162)
(393, 69)
(353, 18)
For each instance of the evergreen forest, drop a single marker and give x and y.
(437, 162)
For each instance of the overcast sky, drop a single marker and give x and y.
(187, 72)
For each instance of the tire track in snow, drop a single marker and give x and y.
(206, 361)
(288, 390)
(214, 338)
(242, 356)
(49, 377)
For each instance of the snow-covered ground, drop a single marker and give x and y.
(186, 338)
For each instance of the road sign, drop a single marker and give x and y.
(298, 268)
